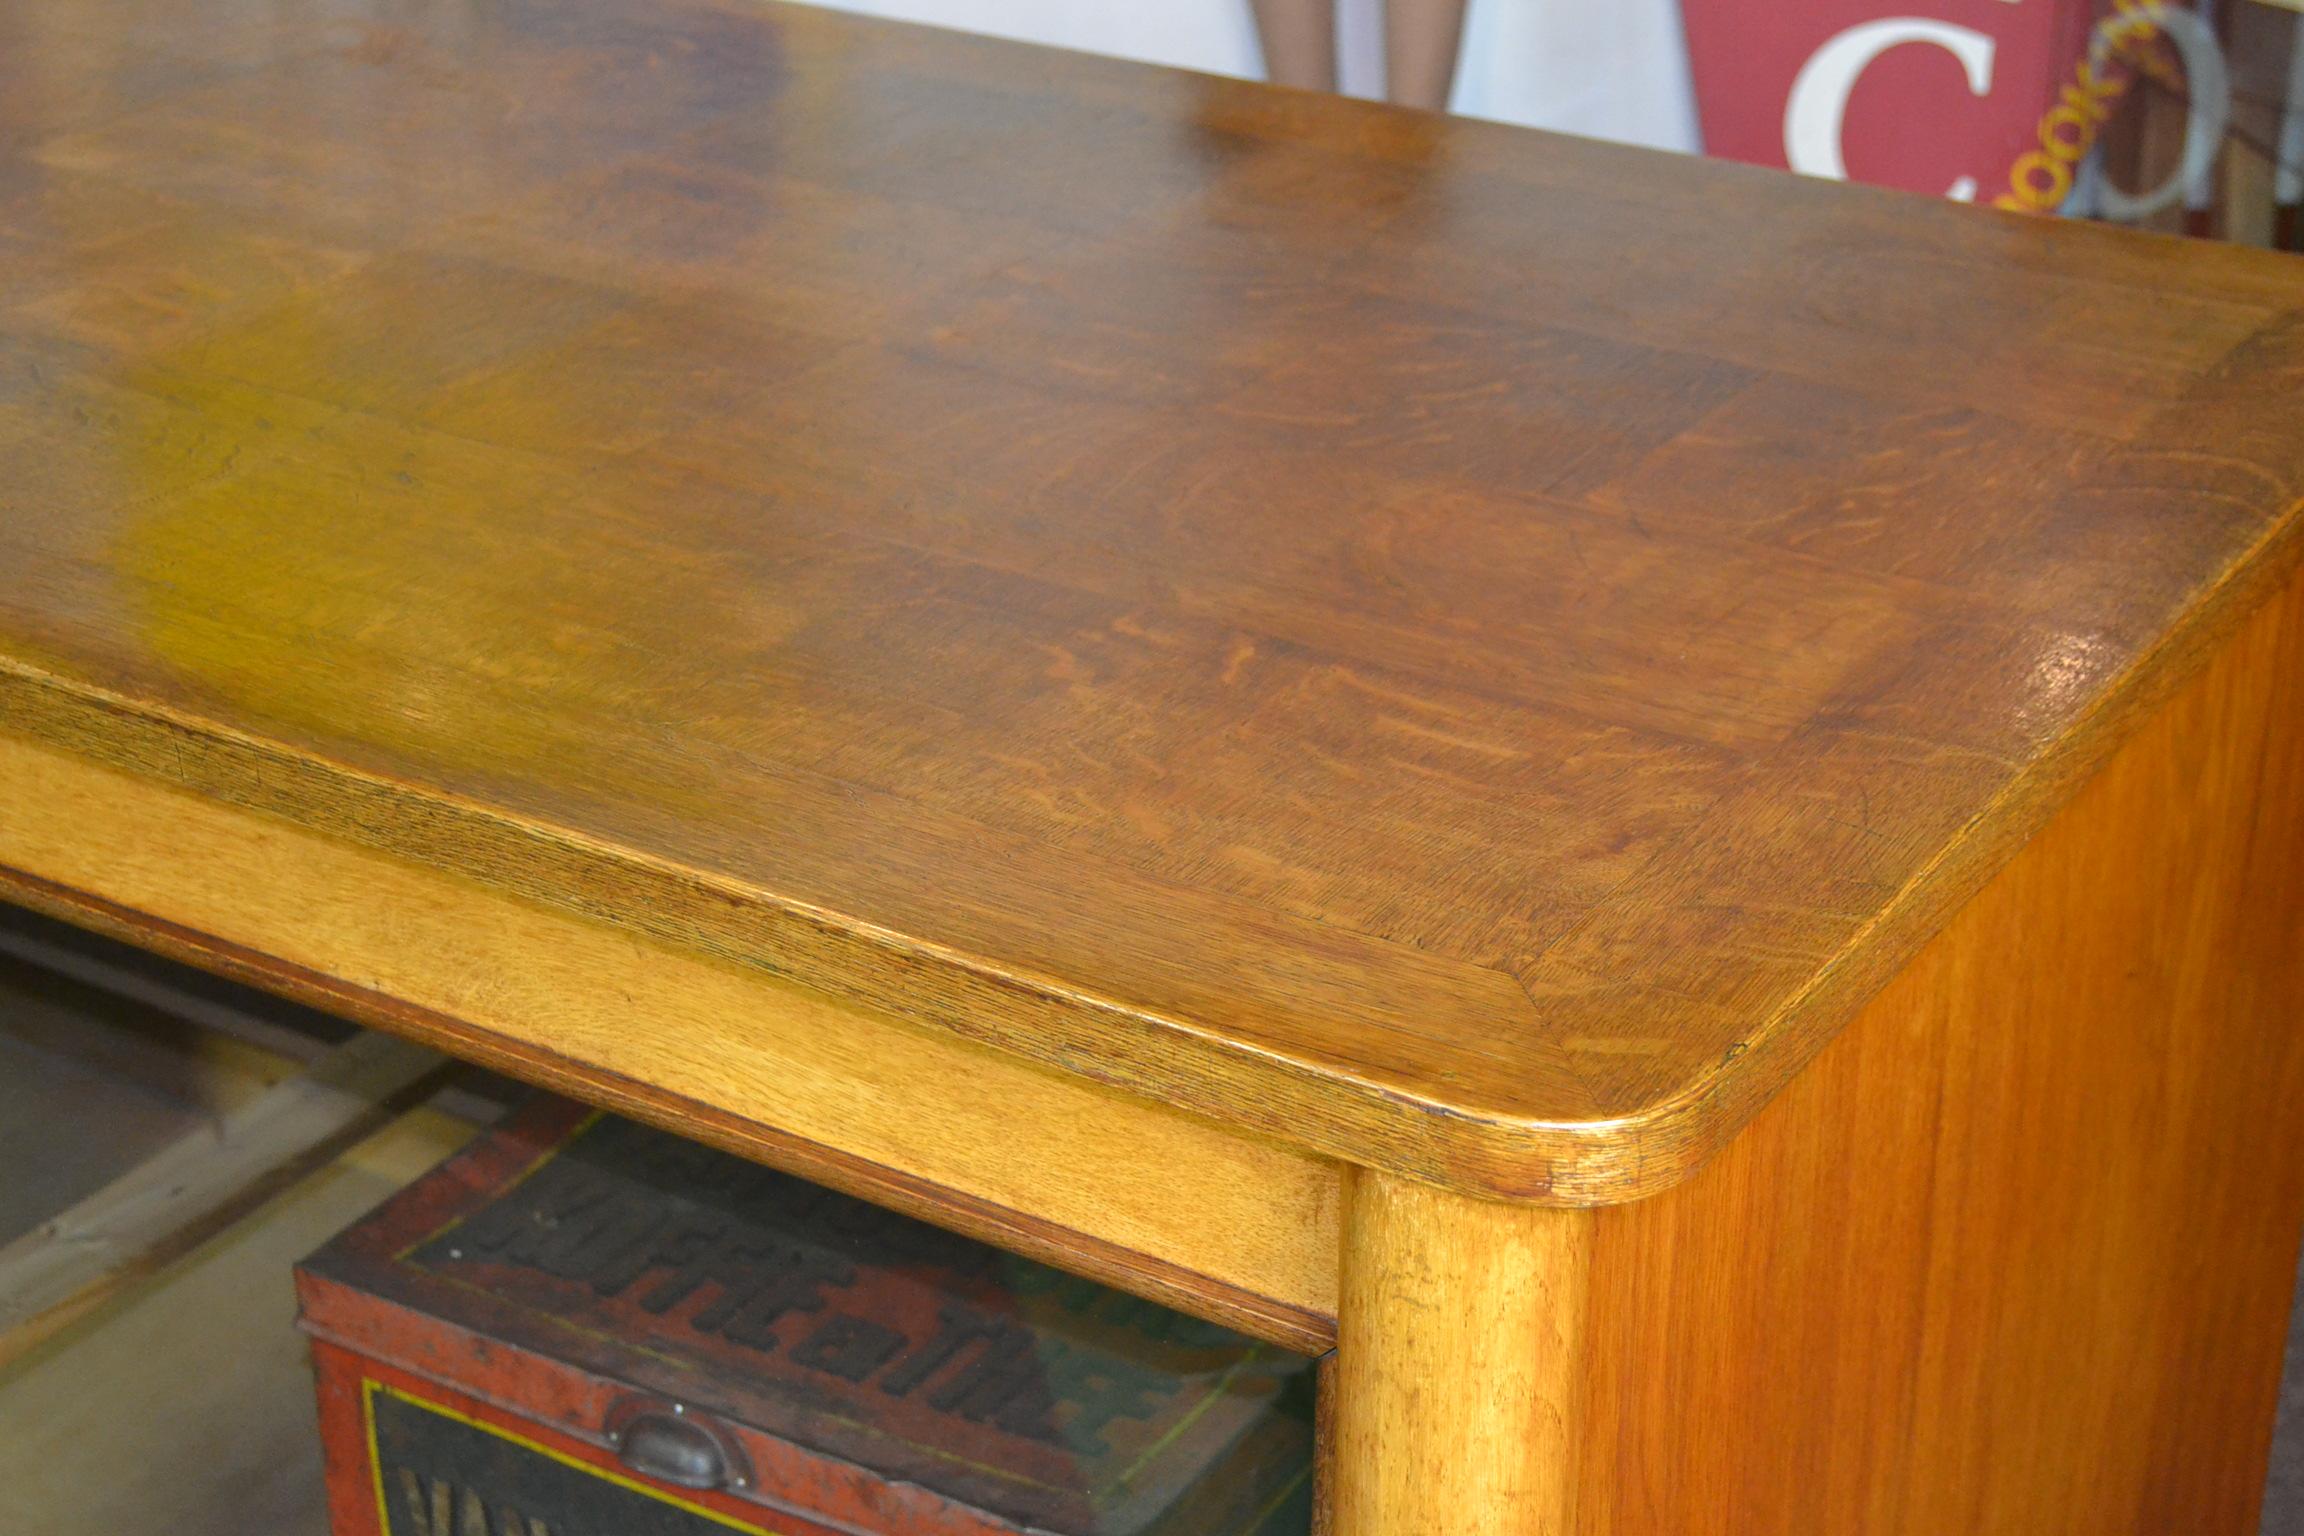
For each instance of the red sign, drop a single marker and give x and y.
(1941, 96)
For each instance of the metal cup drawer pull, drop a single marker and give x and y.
(670, 1445)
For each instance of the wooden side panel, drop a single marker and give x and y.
(1151, 1200)
(2014, 1254)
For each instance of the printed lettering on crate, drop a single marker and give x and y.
(582, 1323)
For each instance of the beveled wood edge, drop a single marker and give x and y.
(2030, 1142)
(1694, 1124)
(1288, 1102)
(1300, 1321)
(1275, 1322)
(1598, 1161)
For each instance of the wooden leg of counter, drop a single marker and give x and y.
(1459, 1344)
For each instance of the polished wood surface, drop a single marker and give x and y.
(2013, 1257)
(1464, 652)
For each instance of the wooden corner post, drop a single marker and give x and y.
(1458, 1364)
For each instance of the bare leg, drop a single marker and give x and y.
(1421, 41)
(1299, 38)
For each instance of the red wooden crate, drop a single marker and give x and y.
(581, 1325)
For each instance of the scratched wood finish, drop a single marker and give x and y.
(2013, 1256)
(1468, 652)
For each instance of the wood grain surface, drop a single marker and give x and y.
(2013, 1257)
(1459, 1364)
(1466, 652)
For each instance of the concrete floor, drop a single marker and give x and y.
(186, 1407)
(2284, 1488)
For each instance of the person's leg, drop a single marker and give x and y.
(1299, 38)
(1421, 42)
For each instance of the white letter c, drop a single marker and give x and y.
(1819, 101)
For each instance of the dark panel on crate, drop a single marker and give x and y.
(588, 1273)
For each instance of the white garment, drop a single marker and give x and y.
(1613, 71)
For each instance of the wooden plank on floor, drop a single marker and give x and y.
(161, 1209)
(186, 1407)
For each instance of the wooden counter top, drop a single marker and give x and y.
(1464, 651)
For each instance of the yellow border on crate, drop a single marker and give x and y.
(369, 1388)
